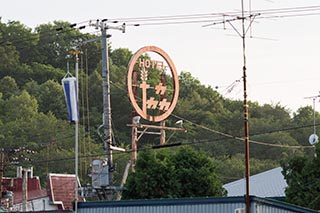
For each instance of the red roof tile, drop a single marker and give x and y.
(61, 189)
(15, 185)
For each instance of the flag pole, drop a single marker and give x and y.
(70, 86)
(76, 136)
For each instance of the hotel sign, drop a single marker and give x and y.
(151, 96)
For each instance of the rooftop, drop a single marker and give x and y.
(270, 183)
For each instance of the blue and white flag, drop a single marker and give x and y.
(69, 85)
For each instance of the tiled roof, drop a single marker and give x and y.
(15, 185)
(61, 189)
(270, 183)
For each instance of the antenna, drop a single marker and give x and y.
(243, 34)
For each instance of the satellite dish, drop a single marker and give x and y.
(313, 139)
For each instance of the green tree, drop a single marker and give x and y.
(196, 174)
(121, 57)
(303, 117)
(267, 117)
(8, 87)
(9, 57)
(57, 39)
(95, 98)
(201, 105)
(21, 107)
(120, 104)
(32, 87)
(23, 39)
(55, 42)
(44, 72)
(164, 173)
(18, 115)
(154, 177)
(51, 99)
(302, 176)
(274, 150)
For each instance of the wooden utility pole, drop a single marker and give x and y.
(246, 114)
(24, 190)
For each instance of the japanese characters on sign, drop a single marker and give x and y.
(153, 101)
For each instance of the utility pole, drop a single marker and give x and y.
(24, 190)
(246, 113)
(313, 138)
(242, 34)
(106, 98)
(314, 111)
(107, 132)
(102, 182)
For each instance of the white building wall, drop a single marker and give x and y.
(41, 204)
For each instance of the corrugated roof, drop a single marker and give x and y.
(191, 205)
(270, 183)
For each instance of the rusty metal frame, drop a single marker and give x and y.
(145, 128)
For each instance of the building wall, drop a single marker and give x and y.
(41, 204)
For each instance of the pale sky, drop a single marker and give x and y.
(283, 57)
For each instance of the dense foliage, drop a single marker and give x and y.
(302, 175)
(168, 174)
(34, 130)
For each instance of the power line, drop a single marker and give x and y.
(213, 15)
(226, 135)
(214, 18)
(218, 18)
(240, 138)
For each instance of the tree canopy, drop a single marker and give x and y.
(167, 174)
(302, 176)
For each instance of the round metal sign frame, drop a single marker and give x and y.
(170, 105)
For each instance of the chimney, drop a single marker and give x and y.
(28, 170)
(19, 172)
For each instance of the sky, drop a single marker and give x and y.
(282, 54)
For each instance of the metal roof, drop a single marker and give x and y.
(270, 183)
(191, 205)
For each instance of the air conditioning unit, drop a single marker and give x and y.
(239, 210)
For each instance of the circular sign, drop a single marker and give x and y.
(151, 96)
(313, 139)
